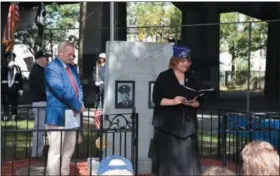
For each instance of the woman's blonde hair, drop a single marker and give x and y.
(217, 170)
(260, 158)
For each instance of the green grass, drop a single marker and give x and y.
(16, 145)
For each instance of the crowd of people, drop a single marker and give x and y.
(57, 97)
(259, 158)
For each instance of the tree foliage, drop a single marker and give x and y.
(154, 14)
(60, 18)
(27, 36)
(234, 37)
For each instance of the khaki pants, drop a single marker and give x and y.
(39, 123)
(62, 145)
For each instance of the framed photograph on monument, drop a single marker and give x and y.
(151, 104)
(124, 94)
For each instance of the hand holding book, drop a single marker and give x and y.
(193, 103)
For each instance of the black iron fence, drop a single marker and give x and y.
(119, 130)
(117, 135)
(209, 121)
(222, 135)
(240, 128)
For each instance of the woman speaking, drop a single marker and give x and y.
(175, 120)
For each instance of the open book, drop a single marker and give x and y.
(199, 92)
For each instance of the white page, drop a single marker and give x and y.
(71, 120)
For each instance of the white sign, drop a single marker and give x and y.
(72, 120)
(130, 67)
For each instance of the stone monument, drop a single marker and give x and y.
(132, 67)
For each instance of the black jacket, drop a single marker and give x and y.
(18, 83)
(180, 120)
(37, 83)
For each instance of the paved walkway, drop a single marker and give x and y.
(20, 167)
(37, 167)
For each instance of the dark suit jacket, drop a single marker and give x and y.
(129, 104)
(37, 83)
(18, 83)
(180, 120)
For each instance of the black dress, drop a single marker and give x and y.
(176, 150)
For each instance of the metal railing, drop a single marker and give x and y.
(119, 130)
(239, 128)
(222, 134)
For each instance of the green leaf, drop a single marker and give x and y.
(234, 38)
(152, 14)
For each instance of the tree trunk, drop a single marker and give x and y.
(233, 67)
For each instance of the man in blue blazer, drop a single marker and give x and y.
(64, 92)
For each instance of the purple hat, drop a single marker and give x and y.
(182, 52)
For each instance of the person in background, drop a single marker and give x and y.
(217, 170)
(175, 123)
(115, 165)
(11, 85)
(99, 78)
(64, 94)
(260, 158)
(38, 92)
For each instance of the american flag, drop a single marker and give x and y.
(97, 115)
(11, 26)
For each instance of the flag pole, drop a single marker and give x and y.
(13, 40)
(13, 36)
(112, 21)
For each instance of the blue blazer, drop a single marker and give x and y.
(60, 92)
